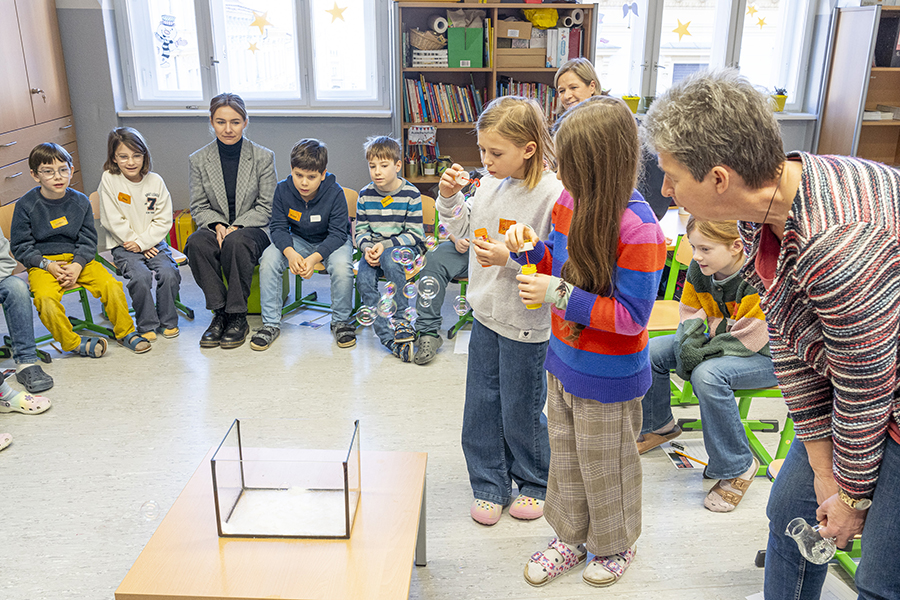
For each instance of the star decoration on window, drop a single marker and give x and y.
(253, 48)
(682, 29)
(261, 22)
(336, 13)
(761, 21)
(752, 10)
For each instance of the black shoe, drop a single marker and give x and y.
(213, 334)
(34, 379)
(236, 331)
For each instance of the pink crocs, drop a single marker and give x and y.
(527, 508)
(486, 513)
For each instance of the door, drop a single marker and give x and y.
(14, 96)
(44, 59)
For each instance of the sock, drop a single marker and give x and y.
(6, 391)
(21, 367)
(666, 428)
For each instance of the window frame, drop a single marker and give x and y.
(212, 58)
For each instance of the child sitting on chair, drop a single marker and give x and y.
(310, 224)
(388, 216)
(733, 354)
(53, 235)
(136, 209)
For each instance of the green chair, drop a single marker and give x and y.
(664, 316)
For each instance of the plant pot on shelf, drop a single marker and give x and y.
(779, 100)
(632, 102)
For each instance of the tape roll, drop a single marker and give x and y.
(566, 22)
(577, 15)
(437, 23)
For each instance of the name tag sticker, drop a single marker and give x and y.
(386, 200)
(60, 222)
(315, 218)
(294, 215)
(505, 224)
(123, 197)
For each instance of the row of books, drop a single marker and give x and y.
(543, 93)
(563, 43)
(426, 102)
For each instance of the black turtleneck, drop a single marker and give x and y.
(230, 155)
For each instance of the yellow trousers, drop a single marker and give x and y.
(95, 279)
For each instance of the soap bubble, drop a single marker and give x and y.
(150, 510)
(392, 324)
(386, 307)
(365, 316)
(402, 255)
(390, 288)
(457, 210)
(410, 314)
(431, 242)
(409, 290)
(428, 287)
(460, 305)
(420, 261)
(424, 302)
(409, 268)
(442, 230)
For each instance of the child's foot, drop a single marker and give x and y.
(650, 440)
(92, 347)
(344, 334)
(428, 347)
(5, 440)
(403, 333)
(171, 332)
(603, 571)
(150, 336)
(26, 404)
(526, 508)
(558, 558)
(403, 351)
(263, 338)
(235, 332)
(136, 343)
(728, 493)
(484, 512)
(34, 379)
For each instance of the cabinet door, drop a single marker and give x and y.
(44, 59)
(14, 96)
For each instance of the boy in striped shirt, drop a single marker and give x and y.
(388, 216)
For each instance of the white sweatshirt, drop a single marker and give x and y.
(135, 212)
(493, 292)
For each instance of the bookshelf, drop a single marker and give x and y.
(467, 89)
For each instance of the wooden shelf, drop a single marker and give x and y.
(891, 123)
(466, 125)
(886, 69)
(446, 70)
(424, 179)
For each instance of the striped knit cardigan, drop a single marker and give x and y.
(610, 360)
(393, 219)
(833, 309)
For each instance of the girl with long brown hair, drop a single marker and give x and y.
(599, 271)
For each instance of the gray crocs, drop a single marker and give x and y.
(428, 347)
(34, 379)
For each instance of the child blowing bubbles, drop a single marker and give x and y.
(599, 270)
(504, 434)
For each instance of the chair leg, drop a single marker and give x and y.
(463, 321)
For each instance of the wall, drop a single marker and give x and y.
(89, 42)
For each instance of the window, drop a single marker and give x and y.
(277, 54)
(620, 48)
(693, 34)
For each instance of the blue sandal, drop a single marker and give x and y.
(136, 343)
(92, 347)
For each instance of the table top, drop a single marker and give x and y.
(673, 225)
(186, 558)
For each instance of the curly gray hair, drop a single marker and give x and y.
(716, 118)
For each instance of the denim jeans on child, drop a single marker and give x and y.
(788, 575)
(504, 434)
(138, 271)
(338, 265)
(713, 381)
(16, 301)
(367, 283)
(444, 264)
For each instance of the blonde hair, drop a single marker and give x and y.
(383, 147)
(520, 121)
(583, 69)
(720, 232)
(599, 158)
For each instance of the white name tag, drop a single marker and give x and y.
(315, 218)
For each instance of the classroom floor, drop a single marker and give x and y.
(128, 428)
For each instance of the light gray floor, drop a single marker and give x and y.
(126, 429)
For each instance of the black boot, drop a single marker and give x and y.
(213, 333)
(235, 331)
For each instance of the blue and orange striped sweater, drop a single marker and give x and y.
(610, 360)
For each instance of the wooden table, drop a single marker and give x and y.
(186, 559)
(673, 225)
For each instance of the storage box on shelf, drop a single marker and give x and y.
(513, 57)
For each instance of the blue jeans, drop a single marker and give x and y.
(504, 434)
(444, 264)
(367, 284)
(338, 264)
(138, 271)
(789, 575)
(16, 300)
(714, 382)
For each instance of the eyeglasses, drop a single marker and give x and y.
(126, 157)
(50, 173)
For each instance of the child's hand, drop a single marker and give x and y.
(448, 184)
(533, 288)
(518, 235)
(71, 273)
(295, 262)
(461, 244)
(373, 254)
(131, 246)
(309, 266)
(151, 252)
(55, 269)
(489, 253)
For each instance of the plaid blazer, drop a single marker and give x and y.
(255, 188)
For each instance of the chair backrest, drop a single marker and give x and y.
(6, 215)
(103, 239)
(428, 210)
(681, 258)
(352, 197)
(684, 253)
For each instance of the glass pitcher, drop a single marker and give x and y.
(813, 546)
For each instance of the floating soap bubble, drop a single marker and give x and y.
(457, 210)
(150, 510)
(365, 316)
(424, 302)
(430, 243)
(392, 324)
(442, 230)
(409, 290)
(386, 307)
(460, 305)
(428, 287)
(390, 288)
(403, 255)
(420, 261)
(410, 314)
(409, 268)
(395, 255)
